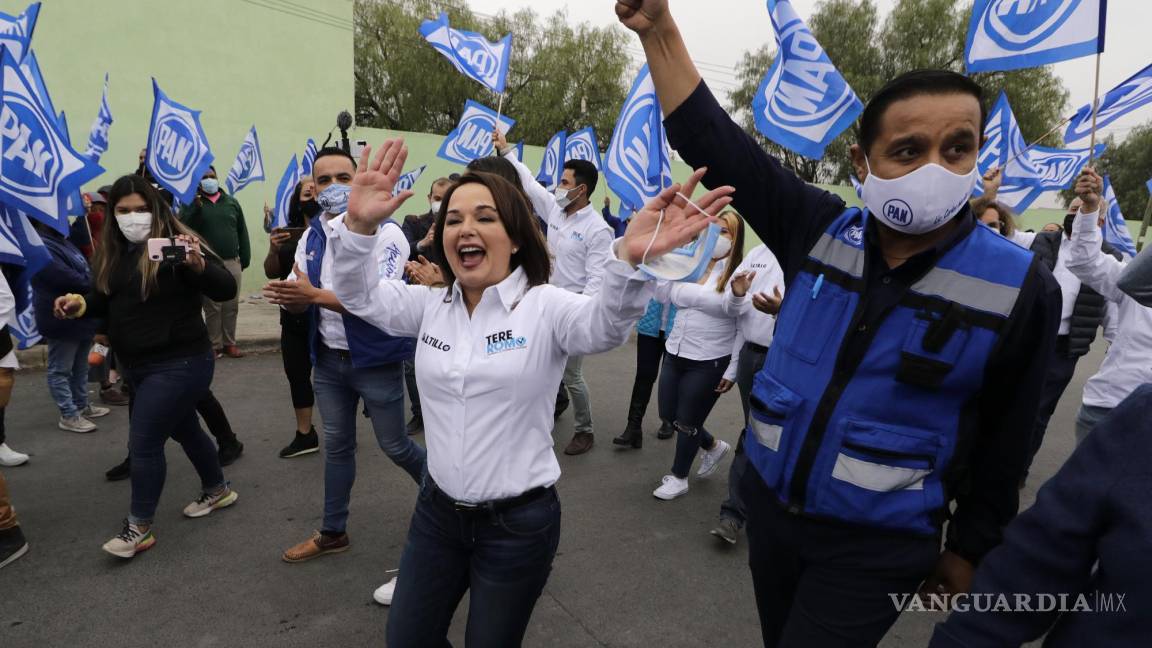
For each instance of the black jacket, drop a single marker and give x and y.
(1090, 308)
(169, 324)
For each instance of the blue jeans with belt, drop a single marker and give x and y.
(164, 397)
(501, 556)
(339, 388)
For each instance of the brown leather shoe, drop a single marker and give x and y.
(233, 351)
(111, 395)
(316, 546)
(581, 442)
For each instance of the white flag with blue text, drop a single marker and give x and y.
(249, 164)
(309, 157)
(21, 247)
(552, 166)
(471, 53)
(284, 192)
(472, 137)
(1014, 34)
(16, 31)
(178, 151)
(1133, 93)
(1058, 168)
(30, 66)
(98, 136)
(582, 145)
(803, 103)
(1003, 146)
(39, 170)
(637, 167)
(1115, 228)
(408, 180)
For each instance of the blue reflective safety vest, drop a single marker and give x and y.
(872, 444)
(368, 346)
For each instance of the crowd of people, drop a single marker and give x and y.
(897, 373)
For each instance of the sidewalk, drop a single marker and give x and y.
(257, 331)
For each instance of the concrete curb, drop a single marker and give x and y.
(37, 356)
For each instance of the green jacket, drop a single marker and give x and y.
(221, 224)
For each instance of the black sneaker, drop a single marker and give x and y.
(230, 451)
(666, 431)
(121, 471)
(301, 445)
(416, 425)
(12, 545)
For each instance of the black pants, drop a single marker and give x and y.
(413, 389)
(208, 408)
(3, 435)
(297, 358)
(649, 351)
(826, 583)
(687, 395)
(749, 364)
(1061, 368)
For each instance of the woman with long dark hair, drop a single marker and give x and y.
(152, 309)
(492, 346)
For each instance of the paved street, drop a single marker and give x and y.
(632, 570)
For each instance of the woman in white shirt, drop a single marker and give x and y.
(699, 363)
(492, 347)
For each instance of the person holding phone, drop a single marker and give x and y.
(152, 309)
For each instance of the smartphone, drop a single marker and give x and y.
(296, 232)
(167, 249)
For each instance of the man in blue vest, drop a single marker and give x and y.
(352, 359)
(902, 383)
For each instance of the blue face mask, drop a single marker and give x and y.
(210, 186)
(334, 198)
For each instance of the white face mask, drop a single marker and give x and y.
(723, 247)
(918, 202)
(562, 197)
(434, 206)
(135, 226)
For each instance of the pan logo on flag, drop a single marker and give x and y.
(245, 160)
(580, 149)
(898, 211)
(472, 137)
(175, 145)
(477, 52)
(810, 92)
(23, 130)
(1022, 24)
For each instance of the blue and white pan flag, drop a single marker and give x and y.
(637, 167)
(582, 145)
(309, 157)
(520, 150)
(1115, 228)
(1058, 168)
(857, 187)
(98, 136)
(1121, 100)
(284, 192)
(30, 66)
(552, 166)
(472, 137)
(1003, 145)
(471, 53)
(74, 202)
(40, 172)
(803, 103)
(249, 164)
(408, 180)
(178, 151)
(1018, 198)
(16, 31)
(1014, 34)
(21, 246)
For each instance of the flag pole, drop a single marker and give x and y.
(1095, 109)
(1144, 225)
(1038, 140)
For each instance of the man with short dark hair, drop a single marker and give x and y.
(219, 219)
(907, 358)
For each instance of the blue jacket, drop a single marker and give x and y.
(68, 272)
(1089, 531)
(368, 345)
(656, 319)
(873, 444)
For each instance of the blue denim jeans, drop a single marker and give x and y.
(503, 559)
(687, 395)
(164, 397)
(68, 374)
(339, 388)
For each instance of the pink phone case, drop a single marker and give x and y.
(156, 245)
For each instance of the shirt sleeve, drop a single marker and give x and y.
(543, 201)
(703, 298)
(300, 259)
(390, 305)
(214, 282)
(391, 252)
(1136, 280)
(599, 253)
(988, 494)
(787, 213)
(1097, 270)
(588, 324)
(242, 237)
(7, 303)
(737, 347)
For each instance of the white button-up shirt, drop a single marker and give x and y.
(488, 381)
(705, 326)
(580, 244)
(754, 326)
(391, 253)
(1129, 361)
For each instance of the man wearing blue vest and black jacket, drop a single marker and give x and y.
(902, 384)
(352, 359)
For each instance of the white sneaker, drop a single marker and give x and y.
(131, 541)
(383, 594)
(711, 460)
(672, 488)
(95, 411)
(208, 502)
(10, 458)
(77, 424)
